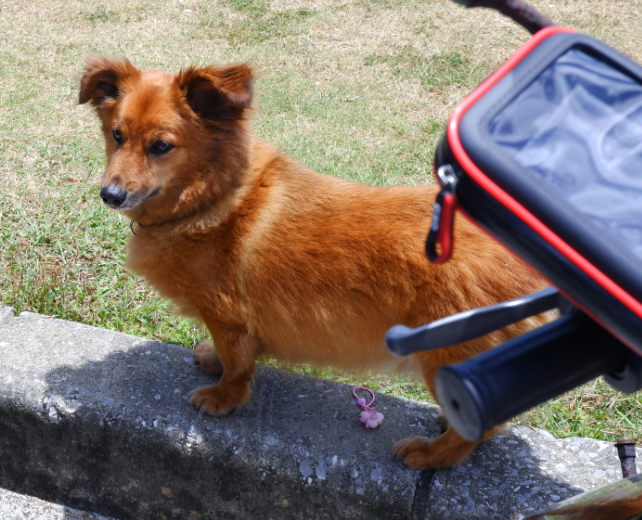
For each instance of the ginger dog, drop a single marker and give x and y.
(273, 258)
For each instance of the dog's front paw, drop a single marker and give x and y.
(207, 359)
(424, 454)
(219, 400)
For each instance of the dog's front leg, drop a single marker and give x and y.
(236, 351)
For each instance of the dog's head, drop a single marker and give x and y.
(174, 142)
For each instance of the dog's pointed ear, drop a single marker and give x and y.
(217, 92)
(102, 78)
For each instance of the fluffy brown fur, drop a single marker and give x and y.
(273, 258)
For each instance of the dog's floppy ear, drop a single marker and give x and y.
(217, 92)
(102, 78)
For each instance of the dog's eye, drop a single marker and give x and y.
(161, 147)
(118, 136)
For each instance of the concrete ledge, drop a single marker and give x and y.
(99, 421)
(14, 506)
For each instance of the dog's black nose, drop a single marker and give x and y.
(113, 195)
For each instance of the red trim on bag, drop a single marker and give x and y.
(504, 198)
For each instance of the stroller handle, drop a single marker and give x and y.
(521, 12)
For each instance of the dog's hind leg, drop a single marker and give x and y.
(441, 452)
(448, 448)
(236, 351)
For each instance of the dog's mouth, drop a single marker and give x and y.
(117, 198)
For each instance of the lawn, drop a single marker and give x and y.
(359, 89)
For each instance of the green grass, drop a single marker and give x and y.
(361, 90)
(594, 410)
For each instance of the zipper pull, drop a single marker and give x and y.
(443, 217)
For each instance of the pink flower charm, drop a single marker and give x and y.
(371, 419)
